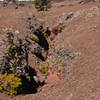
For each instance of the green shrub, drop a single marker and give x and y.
(9, 83)
(42, 5)
(15, 70)
(16, 56)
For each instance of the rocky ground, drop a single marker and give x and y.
(77, 47)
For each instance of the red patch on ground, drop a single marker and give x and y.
(52, 78)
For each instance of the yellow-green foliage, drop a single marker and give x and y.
(46, 35)
(42, 5)
(60, 69)
(44, 69)
(32, 37)
(9, 83)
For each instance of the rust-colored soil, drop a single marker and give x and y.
(82, 81)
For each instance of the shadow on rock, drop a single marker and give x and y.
(29, 85)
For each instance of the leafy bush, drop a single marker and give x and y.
(15, 70)
(9, 83)
(43, 68)
(42, 5)
(16, 56)
(32, 37)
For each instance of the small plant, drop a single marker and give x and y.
(44, 69)
(42, 5)
(32, 37)
(9, 83)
